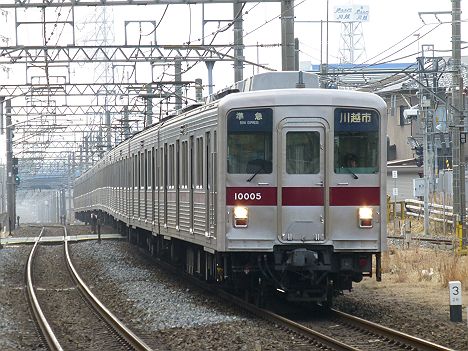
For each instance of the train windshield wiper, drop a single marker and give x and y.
(256, 166)
(253, 175)
(352, 173)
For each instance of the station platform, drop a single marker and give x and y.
(31, 240)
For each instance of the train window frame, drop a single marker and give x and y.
(164, 165)
(171, 166)
(314, 162)
(155, 169)
(356, 147)
(199, 153)
(184, 165)
(135, 172)
(177, 165)
(141, 170)
(161, 168)
(149, 180)
(191, 163)
(249, 144)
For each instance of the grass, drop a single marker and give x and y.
(422, 264)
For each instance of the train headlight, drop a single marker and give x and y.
(365, 217)
(241, 216)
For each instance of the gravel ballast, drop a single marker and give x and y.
(170, 314)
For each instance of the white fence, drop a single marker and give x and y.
(437, 213)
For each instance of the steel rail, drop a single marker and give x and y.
(46, 330)
(299, 329)
(441, 241)
(404, 338)
(113, 321)
(287, 323)
(302, 330)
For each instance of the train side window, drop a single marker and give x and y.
(161, 168)
(191, 165)
(303, 152)
(184, 166)
(171, 166)
(135, 171)
(164, 183)
(177, 165)
(199, 163)
(155, 169)
(144, 183)
(149, 180)
(142, 170)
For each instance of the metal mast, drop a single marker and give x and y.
(287, 35)
(458, 130)
(352, 46)
(103, 36)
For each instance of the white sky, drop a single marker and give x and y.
(391, 21)
(388, 35)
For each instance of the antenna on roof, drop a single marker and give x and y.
(300, 83)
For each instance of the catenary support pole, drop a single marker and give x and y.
(177, 85)
(287, 34)
(458, 131)
(10, 178)
(238, 42)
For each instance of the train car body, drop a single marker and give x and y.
(269, 190)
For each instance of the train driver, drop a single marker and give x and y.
(350, 161)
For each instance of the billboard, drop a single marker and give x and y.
(352, 13)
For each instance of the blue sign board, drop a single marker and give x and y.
(252, 120)
(355, 120)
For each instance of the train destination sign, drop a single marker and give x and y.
(254, 120)
(356, 120)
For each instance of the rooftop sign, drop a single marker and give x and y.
(352, 13)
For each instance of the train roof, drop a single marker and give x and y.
(272, 97)
(303, 96)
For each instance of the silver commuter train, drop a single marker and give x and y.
(275, 190)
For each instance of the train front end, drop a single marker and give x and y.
(305, 190)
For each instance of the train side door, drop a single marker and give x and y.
(301, 177)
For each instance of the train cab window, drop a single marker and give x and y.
(356, 141)
(302, 152)
(249, 141)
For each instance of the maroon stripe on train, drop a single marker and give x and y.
(362, 196)
(302, 196)
(250, 196)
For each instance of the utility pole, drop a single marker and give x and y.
(428, 68)
(9, 164)
(238, 42)
(178, 88)
(287, 34)
(458, 132)
(424, 123)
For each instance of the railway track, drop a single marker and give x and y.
(336, 330)
(435, 241)
(333, 330)
(67, 312)
(365, 335)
